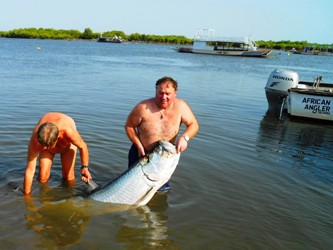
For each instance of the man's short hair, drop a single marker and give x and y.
(47, 134)
(167, 79)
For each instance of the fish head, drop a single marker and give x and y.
(162, 162)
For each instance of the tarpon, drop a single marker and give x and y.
(138, 184)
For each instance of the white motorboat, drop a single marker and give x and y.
(286, 93)
(114, 39)
(205, 42)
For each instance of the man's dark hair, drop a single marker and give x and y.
(167, 79)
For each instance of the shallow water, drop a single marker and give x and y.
(246, 181)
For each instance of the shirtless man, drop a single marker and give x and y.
(160, 118)
(55, 133)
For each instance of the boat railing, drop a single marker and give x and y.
(244, 40)
(317, 81)
(208, 35)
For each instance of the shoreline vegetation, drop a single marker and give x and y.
(88, 34)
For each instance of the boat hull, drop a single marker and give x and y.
(255, 53)
(311, 104)
(207, 51)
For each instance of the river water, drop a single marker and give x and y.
(246, 181)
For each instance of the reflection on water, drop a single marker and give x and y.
(147, 226)
(59, 224)
(54, 216)
(304, 133)
(59, 216)
(62, 223)
(303, 143)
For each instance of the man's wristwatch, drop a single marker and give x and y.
(83, 167)
(186, 138)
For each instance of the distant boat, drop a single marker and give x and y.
(312, 51)
(115, 39)
(206, 43)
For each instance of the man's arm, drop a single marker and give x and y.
(76, 139)
(133, 121)
(192, 126)
(31, 167)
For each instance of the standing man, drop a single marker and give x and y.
(160, 118)
(55, 133)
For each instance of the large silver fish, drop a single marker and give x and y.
(138, 184)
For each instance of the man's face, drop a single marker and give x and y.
(165, 94)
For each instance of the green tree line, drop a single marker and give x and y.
(294, 45)
(88, 34)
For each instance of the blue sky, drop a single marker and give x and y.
(292, 20)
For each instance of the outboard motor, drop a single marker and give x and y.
(278, 83)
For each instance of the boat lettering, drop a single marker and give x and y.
(317, 101)
(283, 78)
(317, 105)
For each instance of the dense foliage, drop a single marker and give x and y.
(296, 45)
(42, 33)
(88, 34)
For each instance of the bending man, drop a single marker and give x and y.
(55, 133)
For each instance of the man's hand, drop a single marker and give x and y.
(141, 151)
(181, 144)
(86, 176)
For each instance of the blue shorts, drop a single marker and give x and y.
(132, 156)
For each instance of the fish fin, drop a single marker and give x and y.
(146, 198)
(92, 185)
